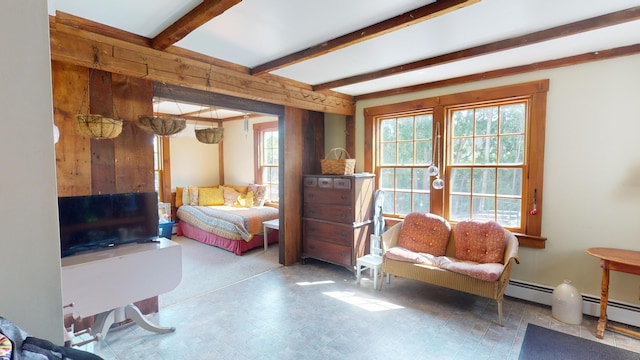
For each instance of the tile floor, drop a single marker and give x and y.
(317, 311)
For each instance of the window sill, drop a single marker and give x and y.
(531, 241)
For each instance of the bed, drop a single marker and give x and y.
(234, 225)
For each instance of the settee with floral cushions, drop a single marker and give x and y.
(472, 256)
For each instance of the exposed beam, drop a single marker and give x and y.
(195, 18)
(549, 64)
(409, 18)
(590, 24)
(78, 46)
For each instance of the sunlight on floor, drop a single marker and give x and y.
(361, 302)
(307, 283)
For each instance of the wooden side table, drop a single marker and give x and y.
(627, 261)
(271, 224)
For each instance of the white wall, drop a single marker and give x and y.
(591, 174)
(192, 162)
(31, 291)
(238, 150)
(195, 163)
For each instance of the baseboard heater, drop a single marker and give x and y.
(618, 311)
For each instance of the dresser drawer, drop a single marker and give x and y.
(337, 213)
(327, 196)
(333, 253)
(341, 234)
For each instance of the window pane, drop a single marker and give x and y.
(509, 213)
(421, 179)
(421, 203)
(405, 150)
(403, 179)
(460, 208)
(512, 118)
(389, 202)
(462, 152)
(388, 156)
(424, 126)
(274, 193)
(403, 203)
(423, 153)
(460, 181)
(484, 182)
(388, 130)
(462, 123)
(387, 179)
(405, 128)
(483, 208)
(510, 182)
(487, 121)
(512, 149)
(486, 152)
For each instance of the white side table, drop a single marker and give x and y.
(271, 224)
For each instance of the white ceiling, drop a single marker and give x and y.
(254, 32)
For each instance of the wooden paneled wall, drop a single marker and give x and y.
(87, 166)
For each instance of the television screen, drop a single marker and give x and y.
(102, 221)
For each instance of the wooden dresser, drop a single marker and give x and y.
(337, 219)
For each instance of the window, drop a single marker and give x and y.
(266, 157)
(489, 153)
(157, 166)
(404, 156)
(485, 162)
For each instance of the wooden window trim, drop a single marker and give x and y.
(536, 91)
(258, 129)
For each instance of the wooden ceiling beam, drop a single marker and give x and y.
(574, 28)
(420, 14)
(78, 46)
(195, 18)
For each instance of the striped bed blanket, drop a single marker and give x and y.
(234, 223)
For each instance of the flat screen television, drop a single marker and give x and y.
(103, 221)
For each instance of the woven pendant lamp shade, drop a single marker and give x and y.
(209, 135)
(98, 126)
(162, 125)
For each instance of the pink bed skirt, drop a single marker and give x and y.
(237, 247)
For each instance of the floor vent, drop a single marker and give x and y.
(621, 312)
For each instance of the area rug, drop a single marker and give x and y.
(206, 268)
(542, 343)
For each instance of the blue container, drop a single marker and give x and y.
(165, 230)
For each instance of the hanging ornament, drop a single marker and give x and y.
(534, 211)
(434, 170)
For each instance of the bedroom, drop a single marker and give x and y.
(576, 215)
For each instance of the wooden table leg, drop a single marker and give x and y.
(604, 299)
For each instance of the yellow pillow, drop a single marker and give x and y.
(244, 200)
(179, 196)
(210, 196)
(242, 189)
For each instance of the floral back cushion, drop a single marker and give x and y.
(479, 241)
(425, 233)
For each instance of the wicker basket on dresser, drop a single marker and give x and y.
(337, 220)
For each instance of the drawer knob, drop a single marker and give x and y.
(344, 197)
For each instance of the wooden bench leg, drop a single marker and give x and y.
(500, 313)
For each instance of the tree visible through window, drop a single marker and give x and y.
(486, 162)
(405, 153)
(491, 155)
